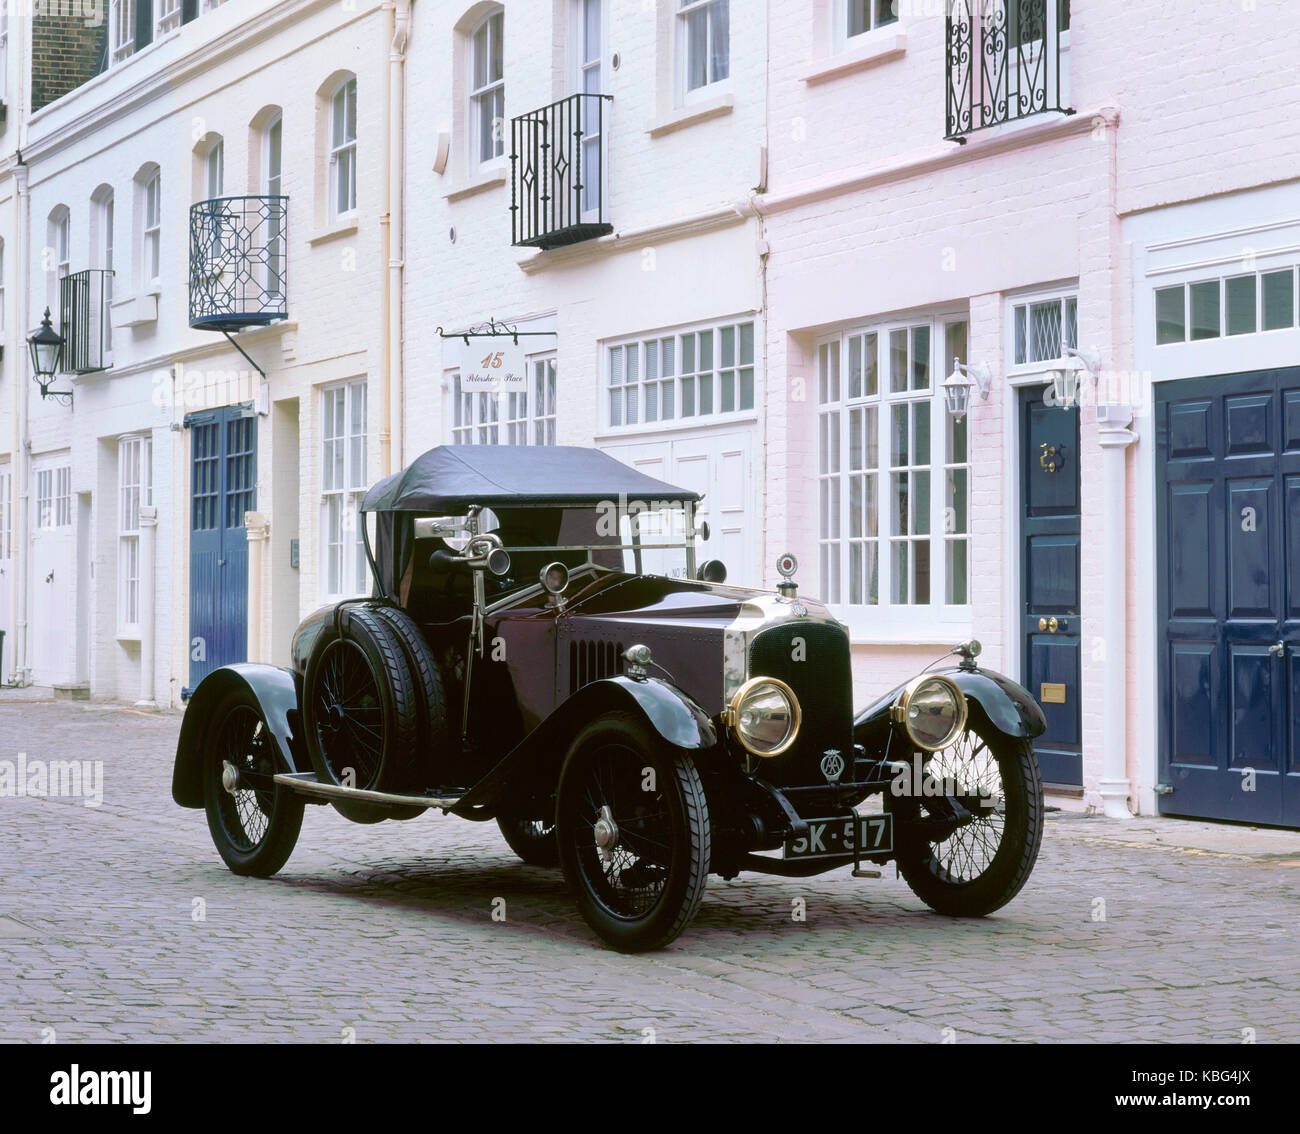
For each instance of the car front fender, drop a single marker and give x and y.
(1009, 707)
(536, 759)
(277, 693)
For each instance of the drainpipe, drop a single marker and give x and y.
(390, 437)
(22, 435)
(148, 544)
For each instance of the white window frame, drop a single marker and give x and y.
(588, 65)
(151, 229)
(841, 38)
(712, 85)
(639, 363)
(839, 409)
(214, 169)
(489, 95)
(3, 293)
(4, 50)
(1065, 297)
(134, 491)
(343, 150)
(53, 497)
(273, 186)
(121, 29)
(168, 16)
(344, 455)
(1222, 280)
(107, 215)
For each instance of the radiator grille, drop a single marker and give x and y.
(591, 660)
(813, 659)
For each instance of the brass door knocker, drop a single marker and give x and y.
(1050, 456)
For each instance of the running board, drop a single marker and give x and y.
(306, 783)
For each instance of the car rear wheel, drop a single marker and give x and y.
(254, 821)
(360, 714)
(977, 867)
(633, 832)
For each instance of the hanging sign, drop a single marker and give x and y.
(489, 363)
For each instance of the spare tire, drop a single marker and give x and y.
(360, 712)
(434, 747)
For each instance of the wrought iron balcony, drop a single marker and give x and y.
(1003, 62)
(238, 265)
(84, 299)
(557, 173)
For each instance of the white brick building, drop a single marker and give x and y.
(742, 247)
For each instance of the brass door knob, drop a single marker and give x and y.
(1051, 625)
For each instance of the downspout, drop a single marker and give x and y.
(395, 391)
(21, 460)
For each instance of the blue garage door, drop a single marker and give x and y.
(1228, 514)
(223, 479)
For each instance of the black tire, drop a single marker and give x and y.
(360, 712)
(981, 866)
(434, 743)
(533, 840)
(255, 827)
(641, 890)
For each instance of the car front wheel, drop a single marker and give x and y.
(254, 821)
(633, 832)
(968, 834)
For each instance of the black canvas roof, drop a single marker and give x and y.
(452, 477)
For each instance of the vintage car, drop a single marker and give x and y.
(542, 649)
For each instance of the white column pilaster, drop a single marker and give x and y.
(147, 584)
(1114, 785)
(258, 529)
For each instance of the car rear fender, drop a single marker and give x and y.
(277, 692)
(536, 760)
(1008, 706)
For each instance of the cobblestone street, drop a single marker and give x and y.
(120, 922)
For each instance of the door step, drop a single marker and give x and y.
(78, 691)
(307, 783)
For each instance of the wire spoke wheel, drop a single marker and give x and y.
(633, 833)
(969, 833)
(254, 822)
(626, 853)
(348, 714)
(971, 775)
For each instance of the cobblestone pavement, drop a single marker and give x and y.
(1151, 931)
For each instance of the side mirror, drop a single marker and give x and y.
(702, 530)
(712, 571)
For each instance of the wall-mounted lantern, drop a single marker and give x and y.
(956, 387)
(1065, 379)
(47, 352)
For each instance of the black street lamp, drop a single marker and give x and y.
(47, 350)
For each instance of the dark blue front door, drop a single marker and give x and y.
(222, 488)
(1049, 580)
(1228, 518)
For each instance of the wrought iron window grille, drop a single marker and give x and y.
(557, 168)
(84, 321)
(1003, 62)
(238, 262)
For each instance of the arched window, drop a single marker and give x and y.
(342, 183)
(148, 186)
(487, 89)
(58, 253)
(102, 237)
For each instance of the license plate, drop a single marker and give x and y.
(873, 834)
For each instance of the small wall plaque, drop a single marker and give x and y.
(1051, 694)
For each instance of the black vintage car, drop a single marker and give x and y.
(542, 650)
